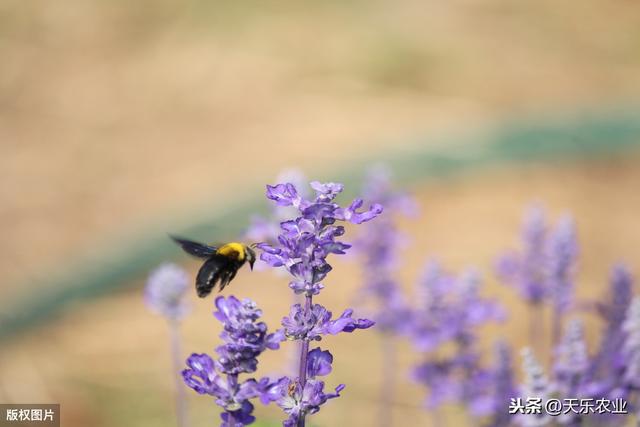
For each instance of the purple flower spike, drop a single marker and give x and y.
(302, 247)
(527, 271)
(306, 241)
(543, 269)
(165, 293)
(572, 360)
(379, 244)
(608, 359)
(621, 294)
(631, 347)
(536, 385)
(503, 389)
(245, 338)
(166, 290)
(449, 310)
(562, 254)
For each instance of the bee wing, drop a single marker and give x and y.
(196, 249)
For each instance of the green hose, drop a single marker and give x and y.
(557, 139)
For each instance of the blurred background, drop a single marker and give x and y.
(121, 121)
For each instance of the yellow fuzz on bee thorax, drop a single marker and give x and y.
(233, 249)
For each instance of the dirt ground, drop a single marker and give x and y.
(108, 361)
(115, 114)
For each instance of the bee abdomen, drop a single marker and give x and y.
(209, 275)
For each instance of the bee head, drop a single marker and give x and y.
(251, 256)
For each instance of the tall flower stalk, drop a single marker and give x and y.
(610, 374)
(449, 311)
(302, 248)
(379, 245)
(165, 294)
(562, 253)
(525, 270)
(266, 228)
(570, 368)
(631, 353)
(245, 338)
(612, 310)
(542, 271)
(502, 389)
(536, 385)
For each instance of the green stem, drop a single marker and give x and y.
(176, 363)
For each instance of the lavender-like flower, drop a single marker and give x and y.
(458, 379)
(562, 254)
(525, 270)
(536, 385)
(440, 377)
(165, 294)
(614, 307)
(302, 248)
(502, 386)
(543, 270)
(449, 311)
(449, 308)
(571, 368)
(245, 338)
(305, 242)
(621, 295)
(165, 291)
(631, 347)
(266, 228)
(544, 267)
(380, 243)
(430, 327)
(572, 360)
(606, 367)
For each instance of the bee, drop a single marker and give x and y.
(221, 265)
(291, 390)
